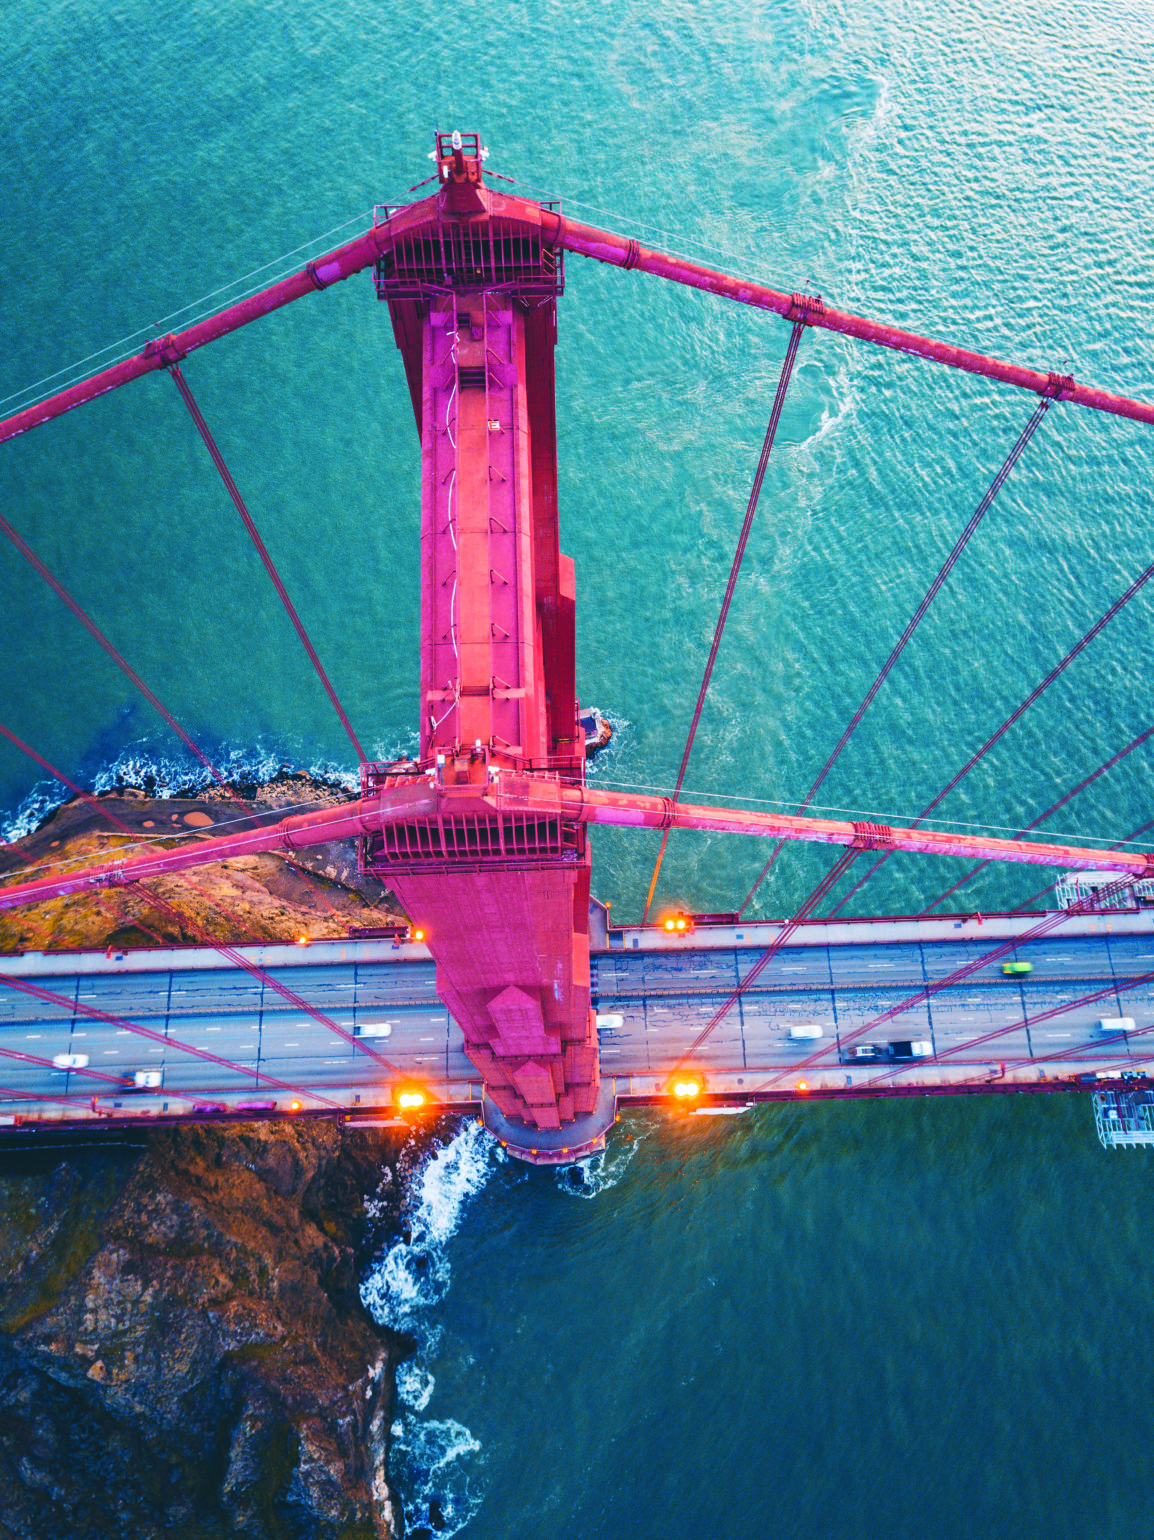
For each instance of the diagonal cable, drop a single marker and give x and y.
(840, 866)
(735, 568)
(262, 551)
(1041, 818)
(915, 621)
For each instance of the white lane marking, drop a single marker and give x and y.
(290, 1045)
(881, 965)
(112, 1053)
(428, 1040)
(794, 970)
(212, 1029)
(31, 1035)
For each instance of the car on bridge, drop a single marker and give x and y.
(905, 1050)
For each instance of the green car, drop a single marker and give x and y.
(1012, 969)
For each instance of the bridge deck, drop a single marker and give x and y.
(664, 990)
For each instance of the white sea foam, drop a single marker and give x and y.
(597, 1173)
(144, 767)
(401, 1291)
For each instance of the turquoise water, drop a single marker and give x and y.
(983, 175)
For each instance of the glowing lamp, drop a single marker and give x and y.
(409, 1099)
(302, 941)
(803, 1085)
(685, 1088)
(670, 924)
(417, 934)
(294, 1105)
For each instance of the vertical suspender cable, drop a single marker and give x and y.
(1055, 673)
(231, 487)
(735, 568)
(931, 594)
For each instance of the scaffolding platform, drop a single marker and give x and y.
(1124, 1118)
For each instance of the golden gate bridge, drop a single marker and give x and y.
(483, 836)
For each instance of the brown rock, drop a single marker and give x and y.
(182, 1344)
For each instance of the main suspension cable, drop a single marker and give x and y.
(262, 551)
(734, 570)
(914, 622)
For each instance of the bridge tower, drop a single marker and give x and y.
(503, 900)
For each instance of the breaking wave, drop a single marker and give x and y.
(597, 1173)
(143, 768)
(431, 1459)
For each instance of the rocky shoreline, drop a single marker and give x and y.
(183, 1347)
(317, 893)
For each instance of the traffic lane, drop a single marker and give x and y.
(795, 966)
(664, 1035)
(1049, 957)
(1132, 954)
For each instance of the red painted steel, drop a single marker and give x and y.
(504, 910)
(486, 846)
(734, 570)
(481, 815)
(588, 241)
(348, 821)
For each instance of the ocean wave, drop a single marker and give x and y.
(400, 1291)
(142, 767)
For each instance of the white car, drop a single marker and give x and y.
(375, 1029)
(70, 1060)
(148, 1079)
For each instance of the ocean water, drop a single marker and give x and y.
(904, 1302)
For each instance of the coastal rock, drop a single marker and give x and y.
(183, 1347)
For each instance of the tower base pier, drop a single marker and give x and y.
(585, 1135)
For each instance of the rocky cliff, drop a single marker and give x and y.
(183, 1349)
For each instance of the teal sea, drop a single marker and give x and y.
(876, 1320)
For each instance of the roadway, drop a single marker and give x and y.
(384, 998)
